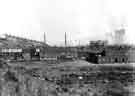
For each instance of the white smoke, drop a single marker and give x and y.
(118, 28)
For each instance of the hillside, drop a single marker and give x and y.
(19, 42)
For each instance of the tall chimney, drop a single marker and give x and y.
(44, 38)
(65, 39)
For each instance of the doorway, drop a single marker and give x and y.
(116, 60)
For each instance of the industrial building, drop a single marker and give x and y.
(113, 54)
(118, 52)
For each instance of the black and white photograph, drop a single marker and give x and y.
(67, 48)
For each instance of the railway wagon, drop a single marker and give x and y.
(20, 54)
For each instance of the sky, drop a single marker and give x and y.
(82, 20)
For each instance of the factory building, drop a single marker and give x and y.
(118, 52)
(112, 54)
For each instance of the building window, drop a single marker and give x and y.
(123, 60)
(116, 60)
(127, 59)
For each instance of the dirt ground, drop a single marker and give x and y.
(65, 79)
